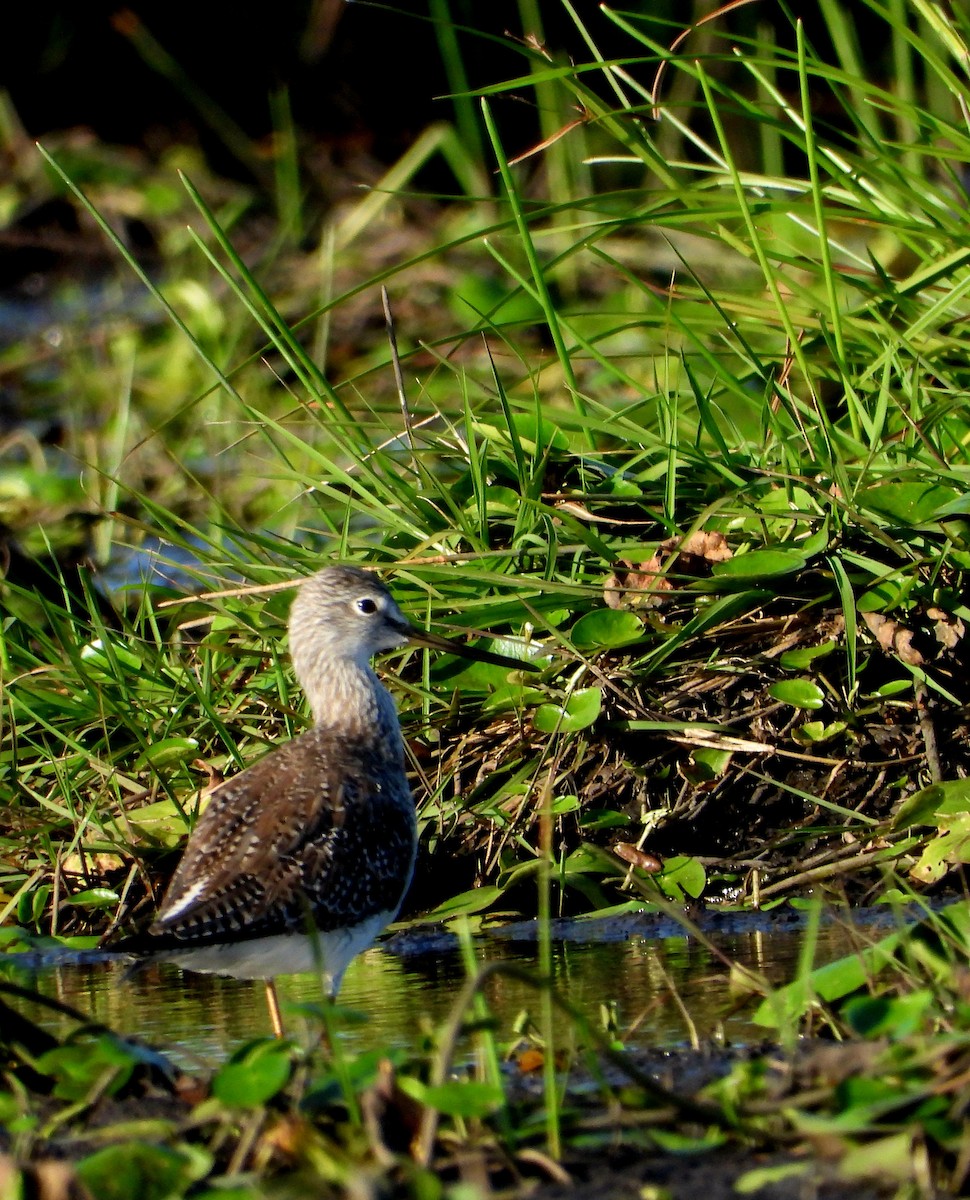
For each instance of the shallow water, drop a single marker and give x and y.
(651, 984)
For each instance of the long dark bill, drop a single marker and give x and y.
(422, 638)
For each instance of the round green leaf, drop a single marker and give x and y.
(604, 818)
(166, 752)
(581, 710)
(804, 656)
(137, 1169)
(255, 1077)
(800, 693)
(885, 595)
(162, 823)
(682, 874)
(605, 628)
(760, 564)
(713, 763)
(950, 847)
(502, 501)
(96, 654)
(929, 804)
(476, 293)
(880, 1016)
(79, 1067)
(908, 503)
(894, 688)
(813, 732)
(533, 434)
(459, 1098)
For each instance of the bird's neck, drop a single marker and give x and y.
(348, 698)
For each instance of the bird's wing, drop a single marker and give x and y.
(318, 830)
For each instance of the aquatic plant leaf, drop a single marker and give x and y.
(886, 595)
(948, 849)
(81, 1066)
(706, 764)
(97, 655)
(804, 656)
(889, 1016)
(140, 1169)
(166, 752)
(886, 1158)
(812, 733)
(581, 710)
(675, 1142)
(895, 687)
(604, 818)
(800, 693)
(534, 434)
(476, 292)
(472, 901)
(788, 1004)
(908, 503)
(161, 824)
(605, 629)
(459, 1098)
(682, 874)
(253, 1076)
(32, 904)
(759, 565)
(588, 858)
(926, 806)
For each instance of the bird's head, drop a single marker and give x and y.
(344, 614)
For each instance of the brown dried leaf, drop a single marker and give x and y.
(948, 628)
(215, 775)
(644, 586)
(639, 858)
(584, 514)
(893, 637)
(636, 587)
(103, 863)
(881, 628)
(191, 1090)
(832, 627)
(712, 547)
(905, 648)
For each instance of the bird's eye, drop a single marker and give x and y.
(366, 605)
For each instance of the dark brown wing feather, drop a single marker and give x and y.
(319, 829)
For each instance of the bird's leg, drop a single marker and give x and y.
(273, 1004)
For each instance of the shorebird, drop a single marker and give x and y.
(300, 861)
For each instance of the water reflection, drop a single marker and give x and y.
(659, 987)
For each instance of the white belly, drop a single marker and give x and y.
(283, 953)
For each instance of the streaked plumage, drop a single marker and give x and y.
(307, 854)
(337, 854)
(320, 834)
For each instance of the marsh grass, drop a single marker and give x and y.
(797, 388)
(751, 339)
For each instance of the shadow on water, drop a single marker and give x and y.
(662, 992)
